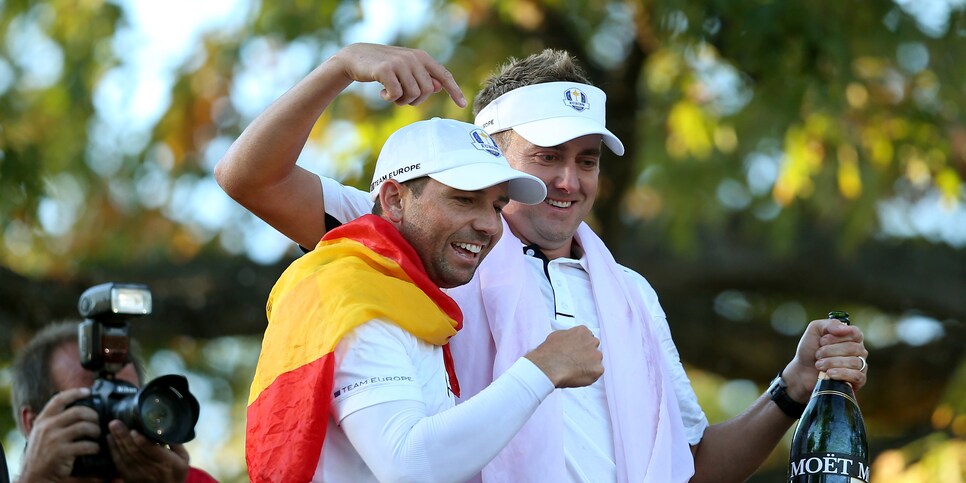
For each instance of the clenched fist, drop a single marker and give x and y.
(570, 358)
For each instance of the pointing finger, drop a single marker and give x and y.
(448, 83)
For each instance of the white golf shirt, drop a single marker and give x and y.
(565, 288)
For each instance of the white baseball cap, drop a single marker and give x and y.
(550, 114)
(457, 154)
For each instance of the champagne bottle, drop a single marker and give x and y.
(829, 445)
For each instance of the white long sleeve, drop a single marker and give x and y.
(399, 442)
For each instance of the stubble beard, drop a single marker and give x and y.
(439, 270)
(546, 230)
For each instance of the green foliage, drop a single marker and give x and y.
(844, 99)
(765, 122)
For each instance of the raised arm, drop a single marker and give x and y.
(259, 169)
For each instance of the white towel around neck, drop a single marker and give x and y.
(649, 437)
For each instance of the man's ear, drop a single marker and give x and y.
(391, 195)
(27, 418)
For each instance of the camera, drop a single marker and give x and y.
(163, 410)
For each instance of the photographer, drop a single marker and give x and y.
(47, 378)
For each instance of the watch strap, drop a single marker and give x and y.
(779, 395)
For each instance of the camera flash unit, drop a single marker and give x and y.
(115, 300)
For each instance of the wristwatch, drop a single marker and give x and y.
(779, 395)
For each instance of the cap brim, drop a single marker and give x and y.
(558, 130)
(523, 187)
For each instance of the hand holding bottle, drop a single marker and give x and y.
(831, 346)
(830, 444)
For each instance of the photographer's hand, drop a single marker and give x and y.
(139, 459)
(56, 437)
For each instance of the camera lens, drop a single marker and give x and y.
(164, 410)
(160, 408)
(168, 412)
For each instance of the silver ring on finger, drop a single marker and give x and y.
(865, 365)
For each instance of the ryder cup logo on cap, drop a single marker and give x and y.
(576, 99)
(484, 142)
(456, 154)
(538, 114)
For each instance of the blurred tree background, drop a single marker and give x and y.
(783, 159)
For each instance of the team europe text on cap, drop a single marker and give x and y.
(550, 114)
(457, 154)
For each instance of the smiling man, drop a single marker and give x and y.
(641, 420)
(355, 380)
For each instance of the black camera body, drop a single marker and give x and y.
(164, 410)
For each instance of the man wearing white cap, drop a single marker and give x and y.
(355, 381)
(641, 421)
(550, 122)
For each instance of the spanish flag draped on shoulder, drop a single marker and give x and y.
(360, 271)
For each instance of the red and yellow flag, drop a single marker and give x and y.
(360, 271)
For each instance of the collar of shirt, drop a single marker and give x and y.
(565, 281)
(533, 250)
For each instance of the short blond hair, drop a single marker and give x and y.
(548, 66)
